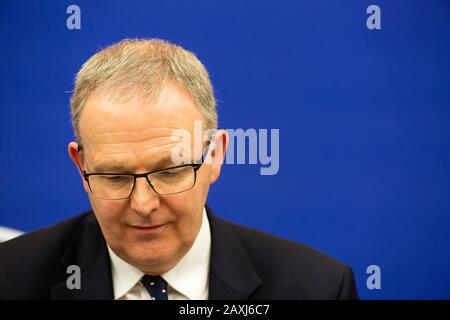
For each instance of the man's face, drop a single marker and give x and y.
(136, 135)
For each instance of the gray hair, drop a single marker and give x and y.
(140, 66)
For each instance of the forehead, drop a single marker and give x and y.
(136, 130)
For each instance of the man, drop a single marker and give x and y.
(150, 234)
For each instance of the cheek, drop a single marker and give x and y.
(189, 202)
(188, 208)
(181, 206)
(108, 214)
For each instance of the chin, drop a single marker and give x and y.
(150, 256)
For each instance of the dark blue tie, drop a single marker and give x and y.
(156, 287)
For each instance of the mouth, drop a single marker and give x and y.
(149, 229)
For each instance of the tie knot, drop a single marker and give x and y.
(156, 286)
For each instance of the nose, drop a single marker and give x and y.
(144, 199)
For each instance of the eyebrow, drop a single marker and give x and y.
(110, 167)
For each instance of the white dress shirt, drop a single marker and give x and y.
(188, 280)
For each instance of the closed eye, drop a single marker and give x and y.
(117, 178)
(172, 172)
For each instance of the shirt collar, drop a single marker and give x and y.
(124, 275)
(189, 277)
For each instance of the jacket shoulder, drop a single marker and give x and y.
(33, 257)
(294, 269)
(45, 239)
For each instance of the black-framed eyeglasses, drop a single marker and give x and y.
(118, 186)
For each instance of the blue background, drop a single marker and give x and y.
(363, 116)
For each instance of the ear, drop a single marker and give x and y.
(219, 144)
(78, 160)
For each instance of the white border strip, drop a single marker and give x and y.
(7, 234)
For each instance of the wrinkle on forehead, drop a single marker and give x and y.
(131, 151)
(144, 158)
(174, 108)
(136, 120)
(117, 139)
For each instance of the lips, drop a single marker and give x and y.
(149, 229)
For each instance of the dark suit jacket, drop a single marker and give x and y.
(245, 264)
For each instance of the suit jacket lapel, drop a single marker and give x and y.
(232, 275)
(88, 251)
